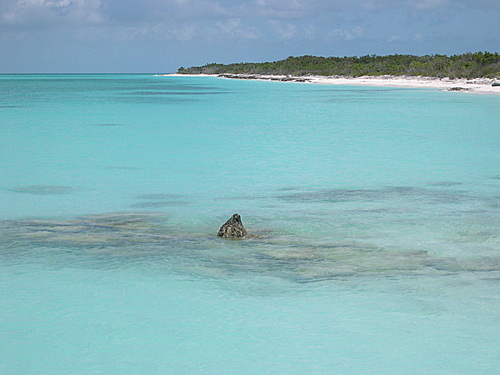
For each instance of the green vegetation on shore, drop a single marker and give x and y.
(468, 65)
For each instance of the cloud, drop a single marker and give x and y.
(231, 29)
(150, 11)
(280, 9)
(284, 32)
(72, 13)
(427, 5)
(310, 32)
(347, 34)
(394, 38)
(43, 13)
(418, 37)
(185, 32)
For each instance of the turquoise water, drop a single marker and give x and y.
(376, 214)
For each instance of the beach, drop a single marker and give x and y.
(475, 85)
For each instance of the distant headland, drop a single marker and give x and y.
(467, 66)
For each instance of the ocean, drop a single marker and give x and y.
(374, 214)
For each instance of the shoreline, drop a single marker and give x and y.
(475, 85)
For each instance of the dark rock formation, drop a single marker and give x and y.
(233, 228)
(264, 77)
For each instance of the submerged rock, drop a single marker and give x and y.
(233, 228)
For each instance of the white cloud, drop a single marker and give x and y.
(373, 6)
(425, 5)
(235, 29)
(394, 38)
(36, 13)
(185, 32)
(310, 32)
(229, 27)
(55, 12)
(225, 20)
(228, 30)
(277, 8)
(284, 32)
(347, 34)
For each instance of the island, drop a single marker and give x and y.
(477, 72)
(468, 65)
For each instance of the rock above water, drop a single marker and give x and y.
(233, 228)
(458, 89)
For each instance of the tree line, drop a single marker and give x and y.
(467, 65)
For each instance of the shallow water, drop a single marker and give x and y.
(375, 213)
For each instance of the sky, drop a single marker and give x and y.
(159, 36)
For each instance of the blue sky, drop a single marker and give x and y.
(87, 36)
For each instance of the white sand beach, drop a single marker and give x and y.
(476, 85)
